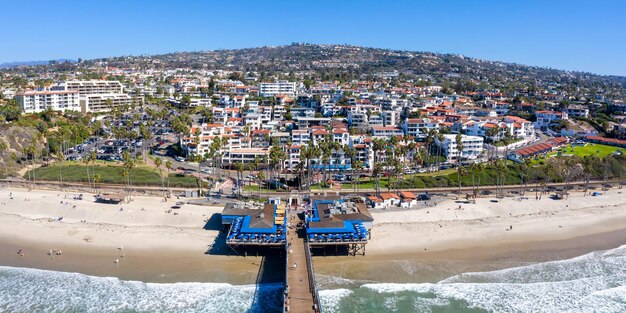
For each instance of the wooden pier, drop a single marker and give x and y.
(301, 293)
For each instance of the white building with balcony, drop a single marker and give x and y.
(281, 87)
(39, 101)
(472, 147)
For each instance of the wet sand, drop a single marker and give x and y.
(431, 267)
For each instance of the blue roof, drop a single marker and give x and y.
(245, 228)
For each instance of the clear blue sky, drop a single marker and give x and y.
(572, 35)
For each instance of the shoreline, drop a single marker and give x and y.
(417, 245)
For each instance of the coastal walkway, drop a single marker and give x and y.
(301, 293)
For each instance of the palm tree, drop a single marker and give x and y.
(61, 157)
(92, 159)
(300, 170)
(502, 171)
(440, 139)
(158, 162)
(358, 167)
(459, 149)
(168, 165)
(261, 178)
(129, 164)
(86, 161)
(239, 167)
(96, 180)
(473, 168)
(378, 168)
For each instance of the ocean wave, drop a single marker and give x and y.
(597, 263)
(594, 282)
(330, 299)
(33, 290)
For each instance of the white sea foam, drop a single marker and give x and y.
(589, 265)
(595, 282)
(31, 290)
(330, 299)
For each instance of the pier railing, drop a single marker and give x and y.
(286, 288)
(311, 273)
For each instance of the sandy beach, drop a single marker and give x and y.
(152, 244)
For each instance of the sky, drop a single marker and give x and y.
(571, 35)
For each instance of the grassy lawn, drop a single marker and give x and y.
(255, 189)
(141, 175)
(589, 149)
(598, 150)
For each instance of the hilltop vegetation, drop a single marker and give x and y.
(312, 62)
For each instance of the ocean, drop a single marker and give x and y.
(594, 282)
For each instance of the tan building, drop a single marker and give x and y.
(85, 87)
(105, 102)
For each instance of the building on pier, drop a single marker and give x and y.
(332, 221)
(254, 226)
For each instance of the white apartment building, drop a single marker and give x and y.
(547, 118)
(89, 86)
(575, 110)
(106, 102)
(419, 127)
(386, 131)
(39, 101)
(97, 95)
(300, 137)
(358, 120)
(244, 155)
(391, 118)
(281, 87)
(472, 147)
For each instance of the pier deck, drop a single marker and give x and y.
(301, 293)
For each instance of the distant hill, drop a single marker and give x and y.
(345, 61)
(31, 63)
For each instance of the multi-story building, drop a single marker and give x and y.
(281, 87)
(419, 127)
(358, 120)
(472, 147)
(391, 118)
(577, 110)
(39, 101)
(97, 95)
(386, 131)
(89, 86)
(244, 155)
(106, 102)
(300, 137)
(547, 118)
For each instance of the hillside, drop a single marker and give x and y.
(317, 60)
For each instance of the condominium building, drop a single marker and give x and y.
(89, 86)
(281, 87)
(244, 155)
(419, 127)
(386, 131)
(39, 101)
(106, 102)
(472, 147)
(547, 118)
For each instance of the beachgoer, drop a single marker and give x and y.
(295, 265)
